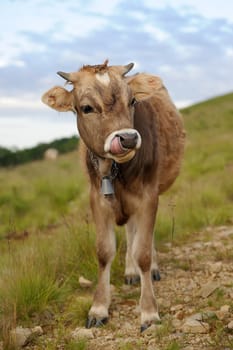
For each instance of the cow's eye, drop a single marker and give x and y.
(86, 109)
(133, 102)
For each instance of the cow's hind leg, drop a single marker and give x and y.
(155, 274)
(106, 247)
(132, 275)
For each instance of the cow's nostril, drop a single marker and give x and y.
(128, 140)
(124, 141)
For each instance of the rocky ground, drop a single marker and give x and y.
(195, 298)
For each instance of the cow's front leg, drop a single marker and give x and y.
(106, 247)
(132, 275)
(142, 250)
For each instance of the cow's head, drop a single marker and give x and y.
(103, 100)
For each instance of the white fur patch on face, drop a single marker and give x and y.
(103, 78)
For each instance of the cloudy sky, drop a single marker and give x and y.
(189, 43)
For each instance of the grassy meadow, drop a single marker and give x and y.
(203, 193)
(47, 237)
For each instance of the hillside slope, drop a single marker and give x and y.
(203, 193)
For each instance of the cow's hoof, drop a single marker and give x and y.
(144, 327)
(132, 280)
(147, 325)
(96, 322)
(155, 275)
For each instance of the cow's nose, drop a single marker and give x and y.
(128, 140)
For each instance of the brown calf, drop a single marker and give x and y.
(134, 139)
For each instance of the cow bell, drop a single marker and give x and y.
(106, 186)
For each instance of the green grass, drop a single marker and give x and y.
(173, 346)
(77, 310)
(48, 203)
(40, 194)
(74, 345)
(42, 273)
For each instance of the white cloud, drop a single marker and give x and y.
(78, 26)
(156, 33)
(9, 61)
(103, 7)
(62, 21)
(215, 9)
(229, 52)
(138, 15)
(190, 29)
(165, 68)
(185, 51)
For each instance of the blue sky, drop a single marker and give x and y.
(189, 43)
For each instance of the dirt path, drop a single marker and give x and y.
(195, 297)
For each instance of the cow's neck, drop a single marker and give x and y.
(107, 169)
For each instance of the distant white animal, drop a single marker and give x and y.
(51, 154)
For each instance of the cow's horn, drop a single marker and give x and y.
(65, 76)
(127, 68)
(122, 70)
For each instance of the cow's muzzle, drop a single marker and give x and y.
(121, 145)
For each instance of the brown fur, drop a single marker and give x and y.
(99, 68)
(139, 181)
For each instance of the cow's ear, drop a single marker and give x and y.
(144, 86)
(59, 98)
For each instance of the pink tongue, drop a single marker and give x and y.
(116, 147)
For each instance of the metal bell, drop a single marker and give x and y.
(106, 186)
